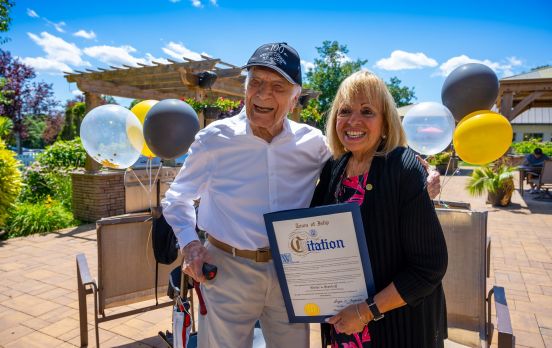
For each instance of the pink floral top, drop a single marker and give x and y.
(351, 190)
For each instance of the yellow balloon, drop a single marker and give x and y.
(470, 115)
(482, 137)
(141, 110)
(136, 137)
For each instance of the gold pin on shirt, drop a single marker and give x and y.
(369, 187)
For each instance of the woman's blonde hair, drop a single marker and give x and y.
(367, 85)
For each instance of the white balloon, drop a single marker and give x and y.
(112, 136)
(429, 127)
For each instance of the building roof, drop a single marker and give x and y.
(542, 73)
(534, 116)
(404, 109)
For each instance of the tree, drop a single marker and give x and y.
(134, 102)
(54, 124)
(34, 128)
(402, 95)
(330, 69)
(107, 99)
(74, 114)
(24, 96)
(5, 19)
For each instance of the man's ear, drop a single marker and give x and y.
(295, 100)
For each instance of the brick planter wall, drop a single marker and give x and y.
(97, 195)
(103, 194)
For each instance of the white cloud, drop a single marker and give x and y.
(401, 60)
(32, 13)
(58, 26)
(214, 2)
(196, 3)
(502, 69)
(178, 50)
(85, 34)
(77, 92)
(42, 64)
(113, 55)
(150, 59)
(307, 65)
(58, 49)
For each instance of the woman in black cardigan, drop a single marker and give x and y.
(372, 167)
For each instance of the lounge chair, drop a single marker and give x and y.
(126, 271)
(544, 181)
(469, 302)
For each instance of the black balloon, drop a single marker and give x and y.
(170, 127)
(469, 88)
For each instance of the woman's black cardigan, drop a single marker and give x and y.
(406, 246)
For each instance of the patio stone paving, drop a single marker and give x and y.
(39, 307)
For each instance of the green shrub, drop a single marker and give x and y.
(527, 147)
(49, 175)
(38, 184)
(6, 126)
(441, 158)
(10, 180)
(63, 155)
(312, 116)
(31, 218)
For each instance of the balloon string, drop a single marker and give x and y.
(148, 173)
(445, 181)
(137, 178)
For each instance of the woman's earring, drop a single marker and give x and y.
(384, 136)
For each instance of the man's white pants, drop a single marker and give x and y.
(243, 292)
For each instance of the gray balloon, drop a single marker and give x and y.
(469, 88)
(170, 127)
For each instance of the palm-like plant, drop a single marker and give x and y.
(497, 181)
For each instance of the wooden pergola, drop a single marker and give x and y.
(186, 79)
(525, 91)
(209, 78)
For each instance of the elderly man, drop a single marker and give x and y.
(242, 167)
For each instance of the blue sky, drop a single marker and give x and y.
(418, 42)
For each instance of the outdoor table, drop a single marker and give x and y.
(523, 171)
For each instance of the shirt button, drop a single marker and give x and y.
(369, 187)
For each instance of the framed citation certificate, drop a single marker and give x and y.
(321, 258)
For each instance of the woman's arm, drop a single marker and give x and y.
(354, 317)
(321, 191)
(421, 237)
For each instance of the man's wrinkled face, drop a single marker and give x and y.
(269, 97)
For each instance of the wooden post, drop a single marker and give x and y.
(91, 100)
(506, 105)
(200, 95)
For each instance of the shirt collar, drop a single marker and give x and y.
(286, 131)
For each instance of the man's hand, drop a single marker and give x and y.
(194, 256)
(433, 179)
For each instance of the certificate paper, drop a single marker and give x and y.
(321, 259)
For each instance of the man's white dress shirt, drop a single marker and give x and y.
(239, 177)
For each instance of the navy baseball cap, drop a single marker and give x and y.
(278, 56)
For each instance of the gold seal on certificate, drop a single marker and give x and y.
(321, 258)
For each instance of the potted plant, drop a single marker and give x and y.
(441, 162)
(496, 180)
(212, 109)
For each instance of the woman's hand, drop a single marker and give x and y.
(433, 178)
(348, 321)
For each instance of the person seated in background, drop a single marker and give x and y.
(536, 161)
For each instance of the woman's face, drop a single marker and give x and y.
(359, 125)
